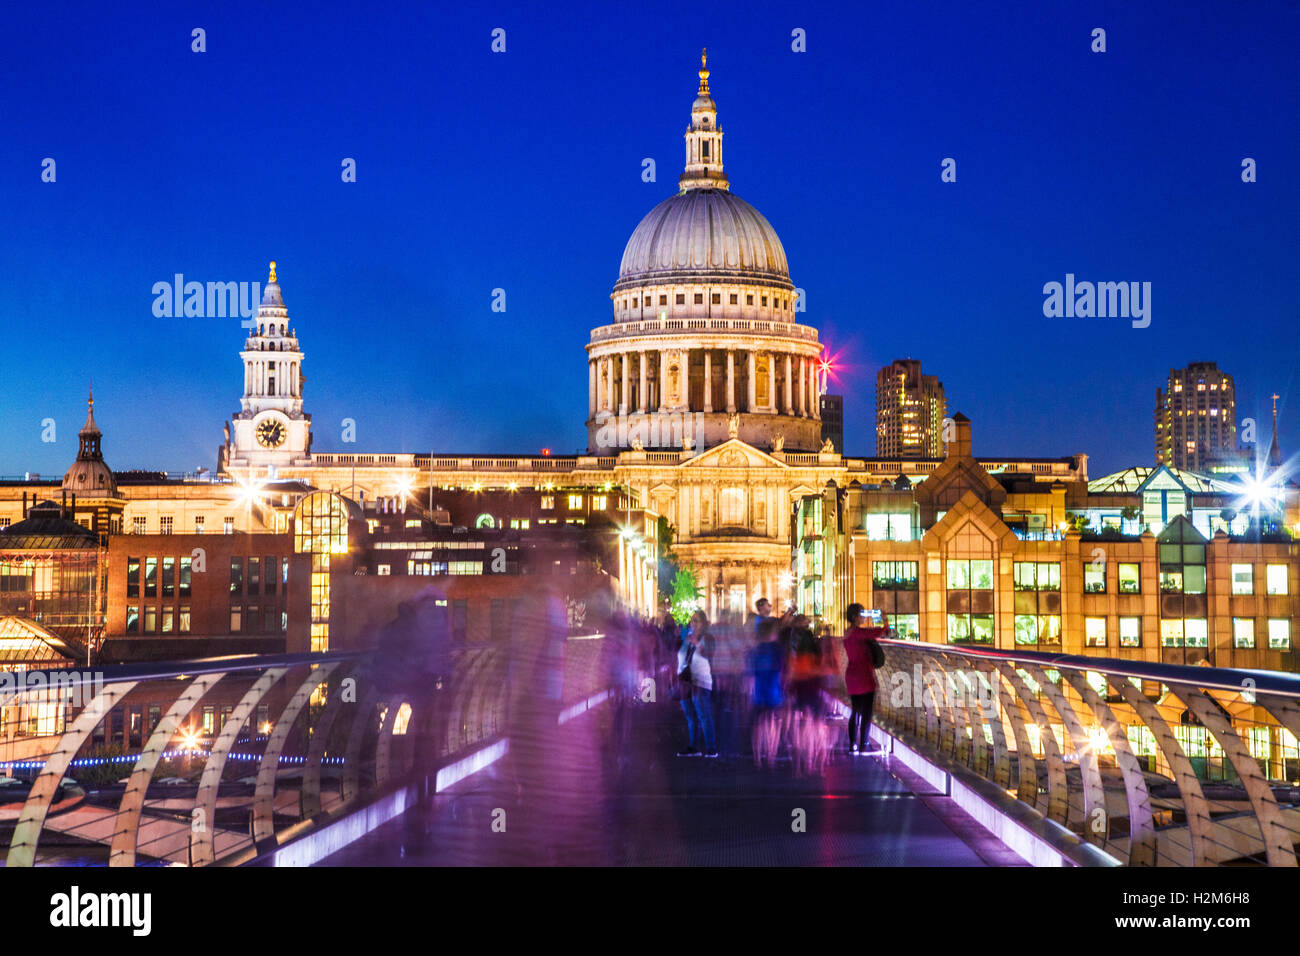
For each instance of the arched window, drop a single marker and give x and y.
(485, 520)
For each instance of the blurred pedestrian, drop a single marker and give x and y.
(696, 679)
(765, 665)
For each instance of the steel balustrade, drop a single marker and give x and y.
(219, 821)
(156, 822)
(1062, 734)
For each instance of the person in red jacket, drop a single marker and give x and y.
(860, 677)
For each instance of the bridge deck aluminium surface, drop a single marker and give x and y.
(606, 789)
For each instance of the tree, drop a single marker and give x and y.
(667, 560)
(685, 594)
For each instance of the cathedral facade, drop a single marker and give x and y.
(702, 406)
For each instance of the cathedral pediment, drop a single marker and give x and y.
(734, 453)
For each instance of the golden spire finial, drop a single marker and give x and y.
(272, 279)
(91, 400)
(704, 71)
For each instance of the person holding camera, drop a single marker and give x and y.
(863, 655)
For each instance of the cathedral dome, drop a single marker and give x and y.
(703, 233)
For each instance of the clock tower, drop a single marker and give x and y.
(270, 428)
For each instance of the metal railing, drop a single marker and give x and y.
(1156, 764)
(772, 327)
(338, 728)
(222, 760)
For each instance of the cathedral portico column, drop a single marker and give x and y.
(622, 399)
(789, 387)
(708, 383)
(731, 382)
(752, 395)
(642, 398)
(663, 378)
(803, 386)
(811, 389)
(771, 381)
(591, 388)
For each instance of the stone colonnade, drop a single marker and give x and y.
(703, 380)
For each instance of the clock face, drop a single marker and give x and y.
(271, 433)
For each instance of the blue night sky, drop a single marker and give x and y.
(523, 171)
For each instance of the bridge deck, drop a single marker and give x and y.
(606, 789)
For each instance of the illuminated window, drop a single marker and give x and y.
(575, 502)
(165, 524)
(132, 577)
(1243, 579)
(1279, 634)
(384, 570)
(138, 526)
(974, 575)
(1094, 632)
(183, 619)
(1037, 576)
(1094, 578)
(599, 502)
(484, 521)
(236, 619)
(1243, 632)
(1276, 578)
(889, 527)
(970, 628)
(1182, 568)
(894, 575)
(907, 626)
(1196, 633)
(320, 528)
(1130, 632)
(1171, 632)
(1130, 579)
(133, 619)
(1037, 628)
(198, 524)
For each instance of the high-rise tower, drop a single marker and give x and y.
(1196, 419)
(910, 408)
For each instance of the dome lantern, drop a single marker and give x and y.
(704, 139)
